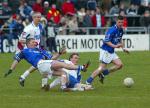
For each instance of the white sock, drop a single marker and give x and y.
(55, 82)
(25, 74)
(63, 81)
(44, 81)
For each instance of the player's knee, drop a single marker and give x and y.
(119, 66)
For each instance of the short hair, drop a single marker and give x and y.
(34, 14)
(28, 40)
(120, 17)
(71, 55)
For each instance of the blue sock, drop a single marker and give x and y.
(89, 80)
(105, 72)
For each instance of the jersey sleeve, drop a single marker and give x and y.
(46, 54)
(19, 56)
(108, 35)
(26, 33)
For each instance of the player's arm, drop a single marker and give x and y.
(62, 50)
(114, 46)
(24, 35)
(17, 58)
(108, 38)
(123, 48)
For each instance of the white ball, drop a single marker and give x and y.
(128, 82)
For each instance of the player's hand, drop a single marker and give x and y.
(7, 73)
(126, 51)
(62, 50)
(86, 65)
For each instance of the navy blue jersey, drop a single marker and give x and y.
(113, 35)
(32, 55)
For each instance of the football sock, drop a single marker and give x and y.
(44, 81)
(89, 80)
(55, 82)
(63, 81)
(25, 74)
(105, 72)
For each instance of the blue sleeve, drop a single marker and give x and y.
(19, 56)
(46, 54)
(79, 75)
(108, 35)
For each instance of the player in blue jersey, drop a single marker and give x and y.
(36, 57)
(33, 30)
(73, 78)
(113, 39)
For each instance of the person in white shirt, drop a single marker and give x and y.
(72, 78)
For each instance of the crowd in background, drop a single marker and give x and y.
(72, 16)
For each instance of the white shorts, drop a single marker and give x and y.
(44, 66)
(107, 57)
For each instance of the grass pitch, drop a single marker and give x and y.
(112, 94)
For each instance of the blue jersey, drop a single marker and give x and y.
(113, 35)
(32, 55)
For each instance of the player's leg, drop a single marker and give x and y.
(63, 77)
(56, 82)
(58, 65)
(25, 74)
(117, 65)
(99, 70)
(83, 87)
(104, 58)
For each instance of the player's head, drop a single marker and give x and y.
(36, 16)
(31, 43)
(119, 22)
(74, 58)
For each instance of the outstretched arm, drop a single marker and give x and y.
(17, 58)
(62, 50)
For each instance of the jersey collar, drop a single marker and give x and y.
(34, 24)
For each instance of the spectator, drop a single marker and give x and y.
(37, 7)
(87, 19)
(81, 13)
(53, 12)
(63, 25)
(72, 24)
(46, 8)
(6, 9)
(7, 31)
(51, 32)
(145, 19)
(81, 4)
(136, 2)
(125, 21)
(91, 4)
(68, 7)
(114, 11)
(143, 7)
(43, 36)
(98, 20)
(122, 8)
(132, 13)
(24, 10)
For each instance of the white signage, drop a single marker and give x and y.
(89, 43)
(92, 43)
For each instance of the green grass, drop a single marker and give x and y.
(112, 94)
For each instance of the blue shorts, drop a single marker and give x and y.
(72, 81)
